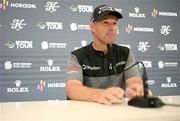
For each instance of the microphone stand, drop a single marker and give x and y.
(145, 101)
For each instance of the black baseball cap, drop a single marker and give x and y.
(103, 10)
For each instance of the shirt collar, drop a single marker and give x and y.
(97, 52)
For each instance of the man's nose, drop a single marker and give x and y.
(111, 27)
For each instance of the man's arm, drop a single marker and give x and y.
(135, 87)
(77, 91)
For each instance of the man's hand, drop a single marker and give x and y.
(110, 95)
(136, 90)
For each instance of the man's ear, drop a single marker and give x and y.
(91, 25)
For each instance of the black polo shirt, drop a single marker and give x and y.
(95, 69)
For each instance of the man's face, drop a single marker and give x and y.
(105, 29)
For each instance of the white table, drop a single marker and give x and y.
(86, 111)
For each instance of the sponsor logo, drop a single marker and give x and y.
(168, 47)
(50, 67)
(51, 45)
(55, 85)
(50, 25)
(73, 69)
(70, 68)
(118, 9)
(81, 8)
(156, 13)
(117, 64)
(16, 65)
(120, 63)
(167, 64)
(143, 46)
(165, 30)
(75, 27)
(130, 29)
(22, 5)
(92, 68)
(18, 88)
(147, 64)
(137, 14)
(169, 83)
(43, 84)
(51, 6)
(4, 4)
(18, 24)
(104, 8)
(19, 44)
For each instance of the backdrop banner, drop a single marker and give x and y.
(37, 36)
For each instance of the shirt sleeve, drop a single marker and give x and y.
(74, 69)
(134, 71)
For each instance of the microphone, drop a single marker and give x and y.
(145, 101)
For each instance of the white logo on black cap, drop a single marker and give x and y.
(105, 8)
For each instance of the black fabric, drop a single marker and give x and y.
(91, 60)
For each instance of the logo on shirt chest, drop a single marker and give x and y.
(95, 68)
(121, 63)
(88, 67)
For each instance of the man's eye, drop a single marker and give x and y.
(115, 23)
(105, 22)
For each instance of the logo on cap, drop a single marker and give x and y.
(105, 8)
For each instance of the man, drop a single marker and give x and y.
(95, 71)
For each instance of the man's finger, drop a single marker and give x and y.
(119, 93)
(130, 93)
